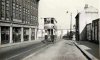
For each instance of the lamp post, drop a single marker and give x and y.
(70, 25)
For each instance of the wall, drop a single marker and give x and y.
(86, 16)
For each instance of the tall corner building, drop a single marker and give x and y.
(18, 20)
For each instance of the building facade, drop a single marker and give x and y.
(83, 18)
(77, 27)
(18, 20)
(86, 16)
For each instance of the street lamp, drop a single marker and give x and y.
(70, 24)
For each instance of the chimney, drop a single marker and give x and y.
(86, 6)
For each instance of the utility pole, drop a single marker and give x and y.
(71, 22)
(71, 26)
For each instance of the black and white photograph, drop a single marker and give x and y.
(49, 29)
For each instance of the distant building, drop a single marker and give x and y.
(18, 20)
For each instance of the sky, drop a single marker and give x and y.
(58, 9)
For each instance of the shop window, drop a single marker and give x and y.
(16, 34)
(26, 34)
(33, 34)
(5, 35)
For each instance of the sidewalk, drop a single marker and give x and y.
(8, 47)
(91, 50)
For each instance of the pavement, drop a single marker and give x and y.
(62, 50)
(7, 47)
(10, 51)
(89, 49)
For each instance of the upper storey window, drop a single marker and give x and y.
(52, 21)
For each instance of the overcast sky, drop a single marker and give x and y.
(58, 9)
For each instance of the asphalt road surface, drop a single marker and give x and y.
(19, 53)
(61, 50)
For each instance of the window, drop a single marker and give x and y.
(3, 9)
(33, 34)
(14, 1)
(7, 8)
(14, 14)
(2, 15)
(20, 12)
(17, 11)
(52, 21)
(7, 14)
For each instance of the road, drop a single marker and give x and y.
(61, 50)
(19, 53)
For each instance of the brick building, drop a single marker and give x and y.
(18, 20)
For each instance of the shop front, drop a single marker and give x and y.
(16, 34)
(33, 34)
(26, 34)
(5, 34)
